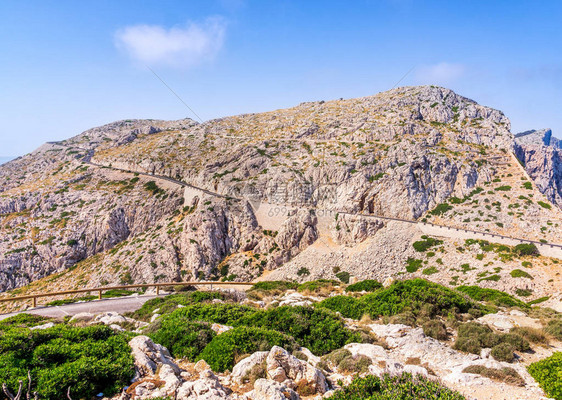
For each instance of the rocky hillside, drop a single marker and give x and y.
(239, 197)
(541, 155)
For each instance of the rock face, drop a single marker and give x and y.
(541, 155)
(283, 367)
(146, 201)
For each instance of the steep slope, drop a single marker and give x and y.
(234, 197)
(541, 155)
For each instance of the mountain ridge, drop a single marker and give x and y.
(397, 154)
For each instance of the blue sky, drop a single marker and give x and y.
(67, 66)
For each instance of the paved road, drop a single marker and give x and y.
(119, 305)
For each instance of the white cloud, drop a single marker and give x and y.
(178, 47)
(442, 73)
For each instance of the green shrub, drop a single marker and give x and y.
(538, 301)
(518, 273)
(554, 328)
(413, 264)
(503, 352)
(222, 352)
(430, 271)
(504, 188)
(170, 303)
(368, 285)
(416, 295)
(22, 320)
(224, 313)
(532, 335)
(493, 296)
(526, 249)
(441, 209)
(523, 292)
(318, 329)
(355, 364)
(544, 205)
(435, 329)
(343, 276)
(347, 306)
(425, 244)
(270, 288)
(547, 373)
(403, 387)
(318, 286)
(274, 286)
(88, 360)
(472, 337)
(182, 337)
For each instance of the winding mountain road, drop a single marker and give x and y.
(90, 153)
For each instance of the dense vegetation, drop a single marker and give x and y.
(225, 349)
(417, 296)
(89, 360)
(403, 387)
(548, 373)
(368, 285)
(349, 307)
(492, 296)
(473, 337)
(170, 303)
(186, 333)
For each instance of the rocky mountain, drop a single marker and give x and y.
(541, 155)
(299, 193)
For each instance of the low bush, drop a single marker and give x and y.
(22, 320)
(554, 328)
(518, 273)
(270, 288)
(368, 285)
(280, 286)
(316, 328)
(441, 209)
(413, 264)
(435, 329)
(526, 249)
(492, 296)
(538, 301)
(223, 351)
(403, 387)
(532, 335)
(182, 337)
(547, 373)
(320, 286)
(355, 364)
(343, 276)
(89, 360)
(506, 375)
(425, 244)
(223, 313)
(418, 296)
(503, 352)
(170, 303)
(472, 337)
(347, 306)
